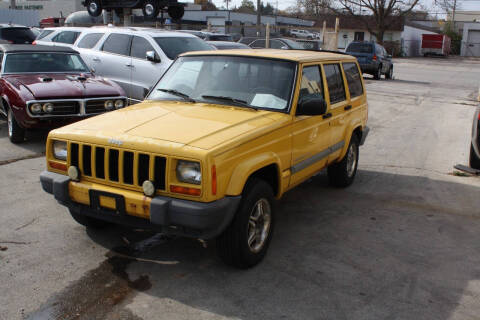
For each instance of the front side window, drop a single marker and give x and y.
(173, 46)
(311, 82)
(68, 37)
(48, 62)
(353, 79)
(44, 33)
(118, 43)
(90, 40)
(334, 78)
(230, 80)
(140, 47)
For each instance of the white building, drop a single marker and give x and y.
(471, 40)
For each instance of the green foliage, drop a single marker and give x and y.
(456, 37)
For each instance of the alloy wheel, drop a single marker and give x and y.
(259, 225)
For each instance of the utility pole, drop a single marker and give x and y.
(259, 18)
(453, 15)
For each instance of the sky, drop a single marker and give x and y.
(471, 5)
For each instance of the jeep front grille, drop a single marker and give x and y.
(126, 167)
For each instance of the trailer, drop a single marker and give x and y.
(150, 8)
(435, 44)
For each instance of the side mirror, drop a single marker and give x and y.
(152, 57)
(311, 105)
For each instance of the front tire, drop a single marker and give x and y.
(87, 221)
(94, 7)
(474, 160)
(150, 9)
(15, 132)
(245, 242)
(342, 174)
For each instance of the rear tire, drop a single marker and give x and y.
(245, 242)
(87, 221)
(94, 7)
(474, 160)
(150, 9)
(15, 132)
(378, 73)
(389, 74)
(342, 174)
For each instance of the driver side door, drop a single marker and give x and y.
(311, 134)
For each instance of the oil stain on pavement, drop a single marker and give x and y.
(102, 292)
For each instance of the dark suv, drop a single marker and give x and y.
(150, 8)
(372, 57)
(16, 34)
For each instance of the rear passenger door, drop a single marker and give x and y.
(338, 105)
(144, 73)
(114, 61)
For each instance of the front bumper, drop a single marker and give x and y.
(365, 132)
(167, 215)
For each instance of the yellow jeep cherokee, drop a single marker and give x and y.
(220, 136)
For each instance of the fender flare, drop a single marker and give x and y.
(354, 125)
(246, 168)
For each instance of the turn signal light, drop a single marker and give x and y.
(185, 190)
(58, 166)
(374, 57)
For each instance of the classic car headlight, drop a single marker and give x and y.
(60, 150)
(119, 104)
(48, 107)
(109, 105)
(189, 172)
(36, 108)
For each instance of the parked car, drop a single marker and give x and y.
(475, 146)
(150, 8)
(372, 57)
(302, 34)
(224, 45)
(16, 34)
(45, 87)
(209, 36)
(135, 58)
(315, 45)
(277, 43)
(61, 36)
(220, 136)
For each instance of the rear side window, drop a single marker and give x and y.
(17, 35)
(90, 40)
(44, 34)
(140, 47)
(360, 47)
(335, 83)
(68, 37)
(311, 82)
(118, 43)
(353, 79)
(173, 46)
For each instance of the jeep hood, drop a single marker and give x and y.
(198, 125)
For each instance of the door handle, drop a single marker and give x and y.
(129, 65)
(327, 115)
(347, 108)
(96, 59)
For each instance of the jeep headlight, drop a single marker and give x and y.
(60, 150)
(189, 172)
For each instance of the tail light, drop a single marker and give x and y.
(34, 42)
(374, 57)
(214, 180)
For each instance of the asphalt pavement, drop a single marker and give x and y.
(403, 242)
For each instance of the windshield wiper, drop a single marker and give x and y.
(174, 92)
(239, 102)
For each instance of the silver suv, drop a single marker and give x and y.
(135, 58)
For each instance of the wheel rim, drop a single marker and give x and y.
(351, 160)
(93, 7)
(10, 123)
(149, 9)
(259, 224)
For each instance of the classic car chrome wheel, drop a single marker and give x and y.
(15, 132)
(259, 225)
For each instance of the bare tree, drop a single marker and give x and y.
(313, 7)
(383, 12)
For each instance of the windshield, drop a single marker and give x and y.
(360, 48)
(174, 46)
(254, 82)
(49, 62)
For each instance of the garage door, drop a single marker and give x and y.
(473, 43)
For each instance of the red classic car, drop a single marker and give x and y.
(47, 87)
